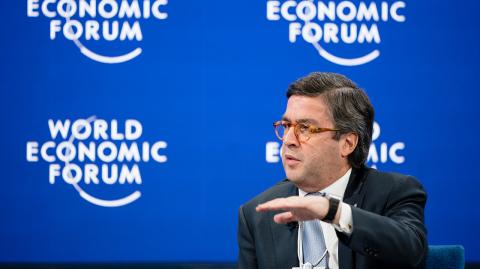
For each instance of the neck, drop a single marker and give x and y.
(320, 183)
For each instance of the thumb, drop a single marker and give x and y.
(284, 217)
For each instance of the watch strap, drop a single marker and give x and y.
(332, 209)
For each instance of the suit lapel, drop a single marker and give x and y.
(354, 193)
(353, 196)
(285, 235)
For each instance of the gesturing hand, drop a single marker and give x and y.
(297, 208)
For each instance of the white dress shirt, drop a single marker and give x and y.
(337, 189)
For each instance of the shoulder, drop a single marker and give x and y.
(392, 188)
(391, 179)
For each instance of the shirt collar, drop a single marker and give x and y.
(336, 189)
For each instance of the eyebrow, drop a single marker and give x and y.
(304, 121)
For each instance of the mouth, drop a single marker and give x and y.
(291, 160)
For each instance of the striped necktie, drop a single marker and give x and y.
(313, 243)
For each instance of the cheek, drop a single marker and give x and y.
(329, 150)
(282, 155)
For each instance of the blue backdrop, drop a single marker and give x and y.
(208, 83)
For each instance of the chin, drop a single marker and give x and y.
(294, 177)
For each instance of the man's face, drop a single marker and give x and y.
(318, 161)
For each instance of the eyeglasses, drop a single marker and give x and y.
(302, 131)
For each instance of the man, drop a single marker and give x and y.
(332, 211)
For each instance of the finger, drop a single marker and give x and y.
(285, 217)
(270, 205)
(289, 203)
(278, 204)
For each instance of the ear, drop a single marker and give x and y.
(349, 144)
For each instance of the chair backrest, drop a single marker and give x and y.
(446, 257)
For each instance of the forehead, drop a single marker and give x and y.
(313, 109)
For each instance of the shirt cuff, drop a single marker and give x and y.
(345, 224)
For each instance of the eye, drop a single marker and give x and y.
(303, 128)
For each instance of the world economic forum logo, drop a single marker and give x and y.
(86, 22)
(336, 24)
(97, 157)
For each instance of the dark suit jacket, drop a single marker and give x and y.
(388, 226)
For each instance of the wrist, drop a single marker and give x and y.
(333, 212)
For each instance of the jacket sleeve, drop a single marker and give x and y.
(247, 258)
(396, 235)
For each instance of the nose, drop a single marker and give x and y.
(290, 138)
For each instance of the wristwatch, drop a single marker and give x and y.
(332, 207)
